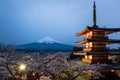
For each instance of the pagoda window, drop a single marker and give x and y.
(86, 56)
(89, 34)
(90, 57)
(89, 45)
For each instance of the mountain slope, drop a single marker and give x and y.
(46, 44)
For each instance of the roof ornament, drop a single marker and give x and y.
(94, 15)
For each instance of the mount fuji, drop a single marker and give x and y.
(45, 44)
(47, 40)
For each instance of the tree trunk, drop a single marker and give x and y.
(11, 73)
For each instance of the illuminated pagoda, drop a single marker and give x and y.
(95, 41)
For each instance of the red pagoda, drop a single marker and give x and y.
(95, 41)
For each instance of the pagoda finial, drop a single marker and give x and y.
(94, 14)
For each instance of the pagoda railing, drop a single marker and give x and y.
(97, 37)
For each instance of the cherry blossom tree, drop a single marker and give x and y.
(54, 66)
(59, 67)
(6, 60)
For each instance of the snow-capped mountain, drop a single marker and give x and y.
(47, 40)
(45, 44)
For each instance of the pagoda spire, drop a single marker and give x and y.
(94, 15)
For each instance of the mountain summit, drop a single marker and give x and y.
(47, 40)
(45, 44)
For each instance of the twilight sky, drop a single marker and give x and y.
(25, 21)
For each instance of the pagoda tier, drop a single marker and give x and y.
(98, 29)
(93, 57)
(104, 41)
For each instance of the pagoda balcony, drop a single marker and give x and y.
(108, 41)
(97, 37)
(86, 60)
(87, 49)
(78, 53)
(96, 49)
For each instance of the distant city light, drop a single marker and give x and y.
(112, 70)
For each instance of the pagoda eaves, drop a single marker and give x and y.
(106, 30)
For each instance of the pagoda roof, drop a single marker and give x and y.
(108, 41)
(96, 28)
